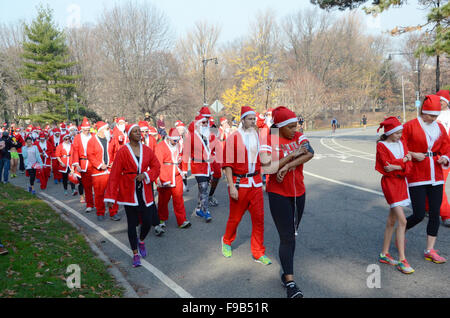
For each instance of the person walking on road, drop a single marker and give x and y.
(429, 146)
(62, 154)
(334, 123)
(394, 162)
(242, 168)
(32, 160)
(283, 155)
(135, 168)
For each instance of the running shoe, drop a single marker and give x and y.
(142, 249)
(404, 267)
(115, 217)
(88, 210)
(208, 217)
(136, 260)
(387, 259)
(199, 213)
(293, 291)
(226, 250)
(74, 192)
(159, 230)
(29, 189)
(433, 256)
(65, 192)
(264, 260)
(213, 201)
(186, 224)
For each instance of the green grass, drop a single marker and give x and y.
(41, 246)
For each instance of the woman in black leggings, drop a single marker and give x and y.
(282, 157)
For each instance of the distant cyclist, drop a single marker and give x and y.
(334, 123)
(301, 120)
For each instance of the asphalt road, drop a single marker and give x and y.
(340, 237)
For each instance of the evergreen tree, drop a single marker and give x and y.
(50, 86)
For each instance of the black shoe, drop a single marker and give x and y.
(293, 291)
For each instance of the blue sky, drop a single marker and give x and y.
(233, 16)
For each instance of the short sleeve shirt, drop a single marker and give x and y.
(292, 185)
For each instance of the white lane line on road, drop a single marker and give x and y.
(343, 183)
(160, 275)
(351, 149)
(346, 153)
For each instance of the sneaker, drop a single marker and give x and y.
(387, 259)
(33, 192)
(404, 267)
(88, 210)
(226, 250)
(100, 217)
(446, 222)
(66, 193)
(213, 201)
(115, 217)
(208, 217)
(136, 261)
(56, 181)
(264, 260)
(433, 256)
(74, 192)
(159, 230)
(293, 291)
(29, 189)
(142, 249)
(186, 224)
(199, 213)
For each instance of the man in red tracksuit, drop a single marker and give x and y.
(80, 161)
(242, 167)
(100, 156)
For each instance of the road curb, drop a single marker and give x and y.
(111, 268)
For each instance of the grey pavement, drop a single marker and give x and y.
(340, 237)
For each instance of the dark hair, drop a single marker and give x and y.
(274, 126)
(383, 137)
(28, 137)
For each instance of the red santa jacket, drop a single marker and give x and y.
(79, 152)
(427, 171)
(46, 151)
(121, 188)
(95, 156)
(170, 160)
(199, 154)
(64, 155)
(150, 142)
(236, 156)
(385, 155)
(20, 140)
(55, 143)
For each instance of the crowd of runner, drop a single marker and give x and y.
(128, 163)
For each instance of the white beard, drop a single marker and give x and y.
(205, 132)
(121, 127)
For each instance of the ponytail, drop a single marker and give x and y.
(383, 137)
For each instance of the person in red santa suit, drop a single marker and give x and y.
(184, 133)
(55, 140)
(120, 137)
(170, 180)
(80, 163)
(429, 146)
(63, 154)
(242, 167)
(197, 151)
(216, 166)
(63, 129)
(46, 150)
(135, 168)
(444, 119)
(148, 139)
(101, 156)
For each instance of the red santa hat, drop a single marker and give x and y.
(444, 95)
(391, 125)
(179, 123)
(85, 123)
(101, 125)
(41, 135)
(143, 125)
(62, 125)
(173, 134)
(121, 119)
(223, 119)
(56, 131)
(205, 112)
(432, 105)
(270, 111)
(66, 136)
(130, 127)
(283, 116)
(247, 110)
(152, 130)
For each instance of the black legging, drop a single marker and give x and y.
(418, 198)
(65, 181)
(286, 221)
(134, 213)
(32, 174)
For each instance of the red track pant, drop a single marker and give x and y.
(55, 167)
(176, 193)
(250, 199)
(86, 180)
(99, 183)
(44, 175)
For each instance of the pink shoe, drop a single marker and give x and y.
(433, 256)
